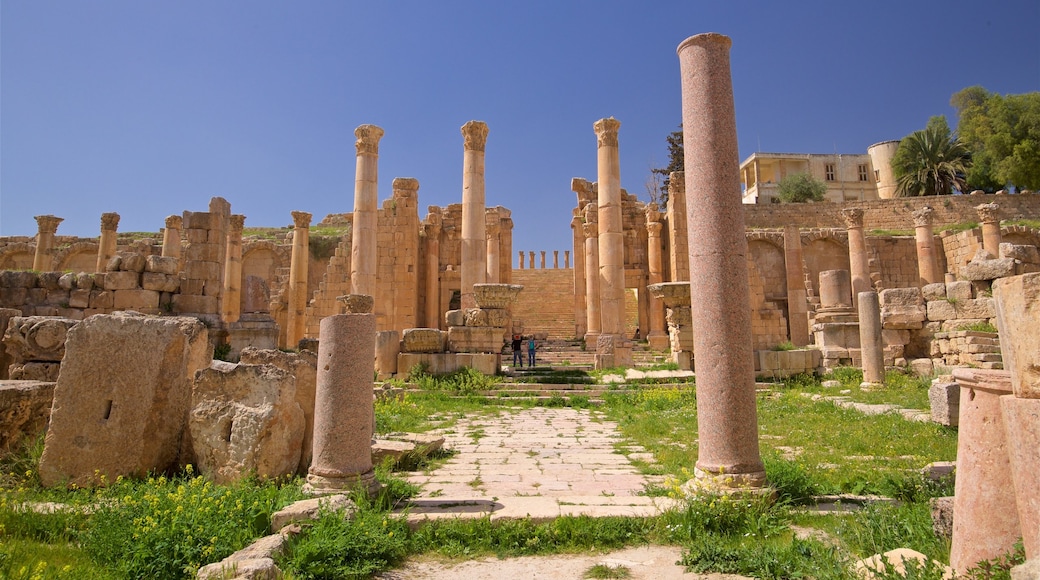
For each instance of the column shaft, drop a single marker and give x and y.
(107, 241)
(580, 316)
(592, 321)
(797, 304)
(657, 338)
(296, 324)
(858, 267)
(611, 229)
(171, 242)
(363, 253)
(871, 347)
(232, 303)
(474, 260)
(47, 225)
(927, 268)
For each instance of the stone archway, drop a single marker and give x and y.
(17, 256)
(77, 257)
(823, 253)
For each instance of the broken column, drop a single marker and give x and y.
(580, 317)
(171, 242)
(107, 242)
(656, 338)
(343, 418)
(871, 348)
(366, 206)
(836, 325)
(612, 348)
(474, 262)
(432, 230)
(296, 323)
(44, 256)
(853, 218)
(492, 231)
(728, 452)
(676, 298)
(989, 217)
(797, 303)
(591, 230)
(232, 303)
(679, 258)
(927, 266)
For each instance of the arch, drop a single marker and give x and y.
(77, 257)
(773, 237)
(824, 253)
(18, 256)
(768, 260)
(1022, 235)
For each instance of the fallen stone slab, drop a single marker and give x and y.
(882, 565)
(25, 408)
(310, 509)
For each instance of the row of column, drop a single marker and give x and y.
(555, 259)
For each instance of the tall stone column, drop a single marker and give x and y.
(556, 259)
(989, 217)
(680, 252)
(521, 259)
(797, 302)
(47, 225)
(591, 230)
(107, 242)
(531, 256)
(657, 338)
(493, 230)
(566, 259)
(505, 245)
(232, 305)
(858, 268)
(171, 241)
(611, 229)
(543, 259)
(927, 267)
(474, 262)
(363, 254)
(296, 324)
(580, 316)
(432, 229)
(871, 347)
(727, 421)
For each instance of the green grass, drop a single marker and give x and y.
(1035, 224)
(957, 228)
(979, 327)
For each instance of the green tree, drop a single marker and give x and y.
(660, 176)
(931, 161)
(1003, 134)
(800, 188)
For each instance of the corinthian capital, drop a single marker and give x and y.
(474, 135)
(301, 219)
(923, 217)
(109, 222)
(853, 217)
(653, 229)
(235, 225)
(48, 224)
(606, 132)
(368, 137)
(174, 222)
(653, 213)
(988, 213)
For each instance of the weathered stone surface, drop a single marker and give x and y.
(474, 339)
(944, 396)
(304, 366)
(988, 269)
(1026, 254)
(1028, 571)
(959, 290)
(1018, 318)
(35, 371)
(136, 299)
(84, 281)
(37, 338)
(420, 340)
(942, 310)
(67, 281)
(17, 279)
(894, 561)
(160, 282)
(901, 297)
(161, 265)
(121, 403)
(25, 407)
(310, 509)
(122, 280)
(476, 317)
(935, 291)
(455, 318)
(942, 516)
(241, 569)
(495, 295)
(131, 262)
(244, 420)
(902, 308)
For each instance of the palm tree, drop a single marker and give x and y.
(933, 162)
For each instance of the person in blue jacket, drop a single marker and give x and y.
(530, 351)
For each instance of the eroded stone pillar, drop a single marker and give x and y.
(543, 259)
(531, 256)
(493, 229)
(580, 316)
(107, 241)
(474, 262)
(656, 338)
(343, 417)
(727, 421)
(871, 348)
(858, 268)
(797, 303)
(989, 217)
(680, 253)
(171, 241)
(233, 270)
(432, 229)
(296, 324)
(521, 252)
(556, 259)
(566, 259)
(363, 255)
(47, 226)
(927, 267)
(591, 230)
(611, 231)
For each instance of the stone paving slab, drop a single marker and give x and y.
(538, 463)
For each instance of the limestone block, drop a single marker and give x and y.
(936, 291)
(84, 281)
(474, 339)
(49, 280)
(476, 317)
(495, 295)
(942, 310)
(35, 371)
(1026, 254)
(988, 269)
(944, 397)
(197, 220)
(498, 317)
(903, 317)
(304, 366)
(1018, 318)
(37, 338)
(25, 407)
(232, 568)
(160, 282)
(132, 263)
(121, 403)
(895, 336)
(202, 252)
(13, 296)
(162, 265)
(79, 299)
(486, 363)
(922, 366)
(1030, 570)
(194, 304)
(901, 297)
(419, 340)
(388, 346)
(17, 279)
(192, 287)
(67, 281)
(196, 235)
(310, 509)
(135, 299)
(101, 300)
(122, 280)
(976, 308)
(959, 290)
(942, 516)
(895, 563)
(455, 318)
(202, 270)
(245, 419)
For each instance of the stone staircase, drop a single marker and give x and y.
(546, 303)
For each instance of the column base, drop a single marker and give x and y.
(321, 485)
(657, 340)
(869, 387)
(705, 483)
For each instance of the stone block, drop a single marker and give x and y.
(1018, 318)
(131, 263)
(13, 296)
(498, 318)
(942, 516)
(84, 281)
(474, 339)
(988, 269)
(310, 509)
(1026, 254)
(942, 310)
(160, 282)
(37, 338)
(303, 365)
(901, 297)
(194, 304)
(122, 280)
(197, 220)
(202, 270)
(976, 308)
(101, 299)
(476, 317)
(162, 265)
(245, 420)
(420, 340)
(935, 291)
(192, 287)
(121, 403)
(25, 407)
(202, 252)
(959, 290)
(895, 336)
(135, 300)
(196, 236)
(35, 371)
(922, 366)
(48, 280)
(486, 363)
(17, 279)
(67, 281)
(79, 298)
(455, 318)
(944, 397)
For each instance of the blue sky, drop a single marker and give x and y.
(151, 108)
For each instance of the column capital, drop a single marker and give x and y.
(431, 230)
(653, 213)
(988, 213)
(368, 137)
(606, 132)
(474, 134)
(576, 224)
(405, 184)
(853, 217)
(174, 222)
(923, 217)
(235, 225)
(48, 224)
(653, 229)
(591, 230)
(301, 219)
(677, 182)
(591, 213)
(492, 227)
(109, 222)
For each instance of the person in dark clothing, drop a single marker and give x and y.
(518, 355)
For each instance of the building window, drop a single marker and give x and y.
(863, 173)
(877, 176)
(829, 170)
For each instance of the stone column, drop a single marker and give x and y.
(233, 270)
(171, 241)
(343, 418)
(797, 304)
(927, 268)
(727, 422)
(493, 230)
(566, 259)
(505, 245)
(47, 225)
(543, 259)
(611, 231)
(432, 229)
(989, 217)
(474, 263)
(871, 348)
(556, 259)
(107, 242)
(521, 259)
(591, 230)
(680, 247)
(296, 323)
(531, 255)
(580, 316)
(363, 255)
(656, 338)
(853, 218)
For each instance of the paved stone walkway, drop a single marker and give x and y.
(539, 463)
